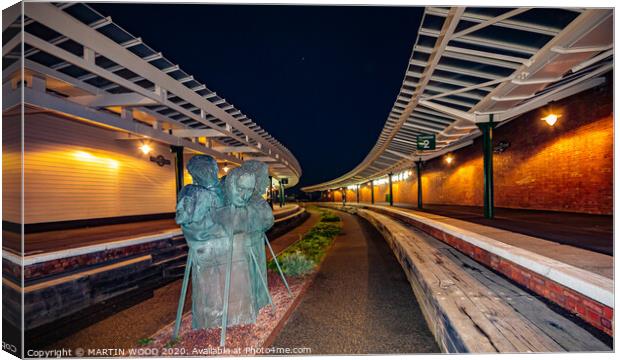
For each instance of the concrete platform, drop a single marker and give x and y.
(469, 308)
(562, 274)
(584, 231)
(59, 240)
(466, 217)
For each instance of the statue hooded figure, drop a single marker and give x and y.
(225, 231)
(206, 239)
(247, 216)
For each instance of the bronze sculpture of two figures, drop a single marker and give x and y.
(224, 224)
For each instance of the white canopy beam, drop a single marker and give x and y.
(197, 133)
(106, 100)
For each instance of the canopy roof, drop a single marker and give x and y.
(468, 63)
(85, 59)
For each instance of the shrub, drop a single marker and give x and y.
(303, 256)
(296, 264)
(329, 217)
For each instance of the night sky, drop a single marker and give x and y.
(320, 79)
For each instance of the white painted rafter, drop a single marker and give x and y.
(522, 63)
(96, 44)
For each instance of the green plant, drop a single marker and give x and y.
(328, 216)
(171, 343)
(144, 341)
(303, 256)
(296, 264)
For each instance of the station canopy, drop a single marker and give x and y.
(471, 62)
(80, 63)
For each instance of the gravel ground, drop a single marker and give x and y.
(123, 329)
(240, 339)
(360, 301)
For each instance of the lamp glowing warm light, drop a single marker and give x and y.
(146, 148)
(83, 155)
(449, 159)
(225, 167)
(90, 158)
(551, 119)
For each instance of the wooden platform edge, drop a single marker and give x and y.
(594, 305)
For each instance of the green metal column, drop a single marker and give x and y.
(372, 191)
(358, 193)
(418, 167)
(178, 152)
(281, 194)
(391, 193)
(271, 191)
(487, 148)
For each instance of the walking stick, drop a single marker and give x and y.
(227, 293)
(263, 280)
(188, 269)
(275, 259)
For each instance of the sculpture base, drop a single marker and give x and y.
(240, 339)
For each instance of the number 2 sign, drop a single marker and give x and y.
(426, 142)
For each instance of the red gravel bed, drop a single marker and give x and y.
(240, 339)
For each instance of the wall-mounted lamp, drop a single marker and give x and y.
(449, 159)
(146, 148)
(551, 119)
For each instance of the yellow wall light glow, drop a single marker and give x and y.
(146, 148)
(551, 119)
(83, 155)
(88, 157)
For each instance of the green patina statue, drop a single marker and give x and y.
(224, 224)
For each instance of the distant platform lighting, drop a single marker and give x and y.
(225, 168)
(449, 159)
(551, 119)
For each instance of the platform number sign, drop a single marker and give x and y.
(426, 142)
(284, 181)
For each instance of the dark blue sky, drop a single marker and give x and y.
(321, 79)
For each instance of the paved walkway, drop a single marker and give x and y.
(360, 301)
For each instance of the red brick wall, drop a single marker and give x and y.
(567, 167)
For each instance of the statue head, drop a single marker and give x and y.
(261, 170)
(203, 169)
(240, 184)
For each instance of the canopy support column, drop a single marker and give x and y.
(372, 191)
(358, 193)
(281, 194)
(418, 166)
(178, 169)
(487, 148)
(391, 192)
(271, 192)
